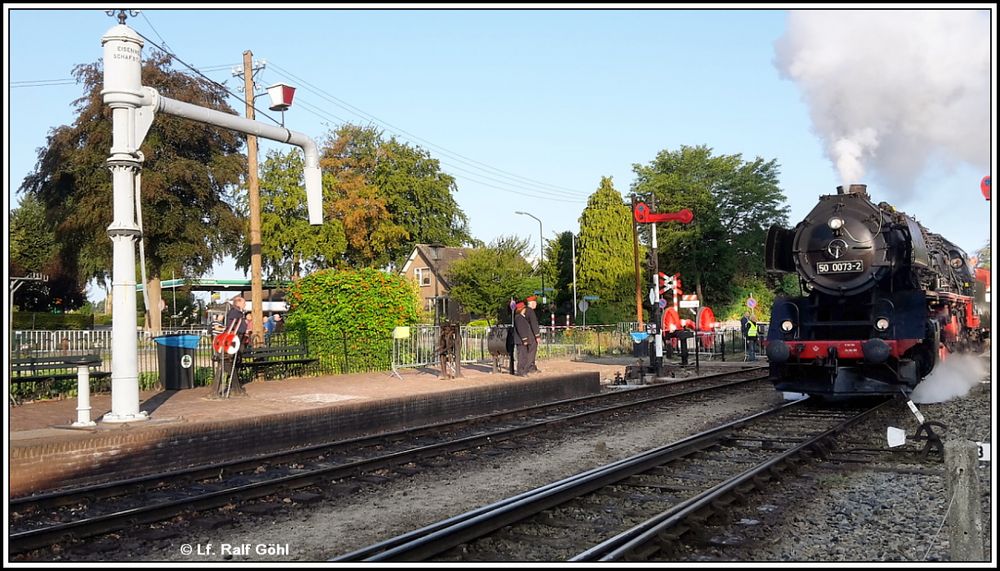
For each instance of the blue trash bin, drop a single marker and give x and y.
(175, 354)
(640, 345)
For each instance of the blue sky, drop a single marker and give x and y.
(528, 109)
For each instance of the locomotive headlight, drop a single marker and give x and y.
(787, 325)
(882, 324)
(835, 223)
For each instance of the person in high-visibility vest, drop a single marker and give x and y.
(750, 333)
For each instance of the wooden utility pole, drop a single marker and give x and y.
(638, 274)
(256, 283)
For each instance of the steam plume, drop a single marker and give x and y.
(892, 91)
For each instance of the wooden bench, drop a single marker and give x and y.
(283, 358)
(45, 370)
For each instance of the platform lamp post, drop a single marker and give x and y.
(436, 258)
(541, 253)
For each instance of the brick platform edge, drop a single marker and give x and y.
(119, 454)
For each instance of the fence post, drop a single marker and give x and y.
(965, 517)
(345, 368)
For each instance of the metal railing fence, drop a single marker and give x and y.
(361, 354)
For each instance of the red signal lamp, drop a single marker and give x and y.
(281, 95)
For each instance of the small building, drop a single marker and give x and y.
(428, 266)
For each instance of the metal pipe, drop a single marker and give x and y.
(313, 177)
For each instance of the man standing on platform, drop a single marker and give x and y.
(526, 344)
(532, 303)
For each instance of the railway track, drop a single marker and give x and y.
(630, 509)
(40, 521)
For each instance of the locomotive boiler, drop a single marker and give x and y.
(881, 301)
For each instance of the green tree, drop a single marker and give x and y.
(485, 280)
(389, 196)
(33, 248)
(189, 168)
(734, 202)
(604, 262)
(290, 246)
(32, 241)
(420, 197)
(984, 257)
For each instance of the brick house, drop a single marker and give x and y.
(427, 266)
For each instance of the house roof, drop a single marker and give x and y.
(447, 256)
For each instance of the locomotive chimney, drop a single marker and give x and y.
(861, 189)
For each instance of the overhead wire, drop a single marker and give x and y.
(553, 192)
(405, 134)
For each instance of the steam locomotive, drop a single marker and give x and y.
(882, 300)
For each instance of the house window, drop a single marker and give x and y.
(423, 276)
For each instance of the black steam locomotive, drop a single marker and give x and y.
(883, 300)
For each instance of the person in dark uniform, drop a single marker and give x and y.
(525, 340)
(235, 323)
(532, 302)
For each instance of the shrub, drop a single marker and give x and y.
(352, 312)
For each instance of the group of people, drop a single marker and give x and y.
(528, 336)
(238, 323)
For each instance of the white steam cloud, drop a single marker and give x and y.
(952, 378)
(892, 91)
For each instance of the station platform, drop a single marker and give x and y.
(185, 428)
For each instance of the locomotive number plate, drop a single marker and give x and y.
(845, 267)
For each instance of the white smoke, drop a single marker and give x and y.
(952, 378)
(893, 91)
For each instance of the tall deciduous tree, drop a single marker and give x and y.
(290, 246)
(485, 280)
(189, 168)
(733, 201)
(604, 262)
(33, 249)
(390, 196)
(420, 197)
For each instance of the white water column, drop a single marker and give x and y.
(124, 94)
(133, 108)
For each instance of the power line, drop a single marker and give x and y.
(326, 115)
(556, 192)
(42, 82)
(459, 157)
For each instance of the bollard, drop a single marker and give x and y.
(83, 364)
(965, 517)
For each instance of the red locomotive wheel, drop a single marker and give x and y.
(671, 320)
